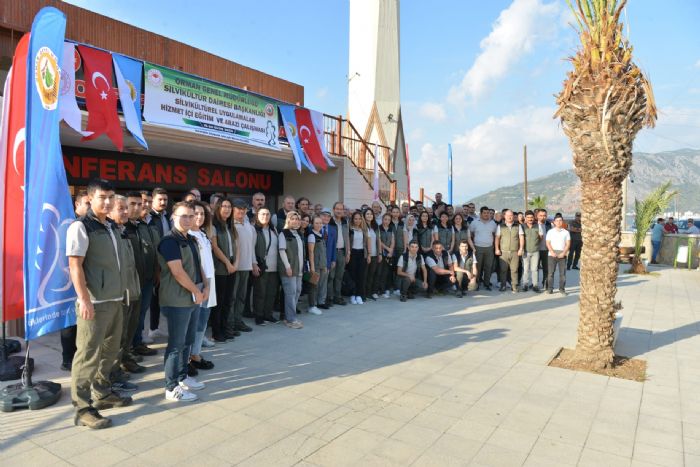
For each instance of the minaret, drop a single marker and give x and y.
(374, 102)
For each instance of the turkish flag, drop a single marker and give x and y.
(12, 155)
(307, 136)
(100, 97)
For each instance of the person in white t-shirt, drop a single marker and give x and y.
(558, 244)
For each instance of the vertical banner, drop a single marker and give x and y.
(67, 105)
(449, 173)
(13, 148)
(308, 138)
(48, 210)
(376, 174)
(408, 175)
(317, 120)
(129, 73)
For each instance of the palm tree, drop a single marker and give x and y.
(645, 212)
(604, 102)
(538, 202)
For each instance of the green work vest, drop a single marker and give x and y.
(445, 235)
(320, 258)
(149, 242)
(171, 293)
(532, 238)
(222, 243)
(385, 237)
(425, 237)
(399, 244)
(510, 240)
(261, 244)
(129, 267)
(292, 250)
(461, 234)
(100, 266)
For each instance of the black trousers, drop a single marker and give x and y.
(544, 254)
(68, 347)
(407, 287)
(358, 268)
(438, 281)
(574, 254)
(224, 304)
(154, 310)
(371, 276)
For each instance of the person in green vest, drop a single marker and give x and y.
(94, 259)
(224, 245)
(266, 282)
(387, 242)
(444, 232)
(410, 268)
(531, 253)
(290, 265)
(510, 241)
(183, 288)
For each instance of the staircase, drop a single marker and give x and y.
(343, 139)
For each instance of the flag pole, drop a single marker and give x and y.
(449, 173)
(525, 165)
(408, 175)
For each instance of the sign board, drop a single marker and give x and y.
(135, 172)
(190, 103)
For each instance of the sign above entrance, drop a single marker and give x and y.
(190, 103)
(134, 172)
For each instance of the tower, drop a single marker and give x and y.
(374, 100)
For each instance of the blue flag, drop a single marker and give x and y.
(449, 174)
(290, 127)
(129, 73)
(48, 210)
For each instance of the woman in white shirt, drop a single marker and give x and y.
(371, 286)
(201, 231)
(359, 257)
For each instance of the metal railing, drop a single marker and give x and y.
(343, 139)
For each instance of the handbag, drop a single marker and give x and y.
(312, 277)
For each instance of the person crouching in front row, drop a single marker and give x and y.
(465, 269)
(183, 289)
(407, 267)
(441, 272)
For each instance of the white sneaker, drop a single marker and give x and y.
(145, 338)
(387, 294)
(315, 311)
(375, 296)
(207, 343)
(191, 384)
(178, 394)
(353, 300)
(358, 301)
(397, 292)
(157, 333)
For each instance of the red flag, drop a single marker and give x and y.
(100, 97)
(13, 122)
(307, 136)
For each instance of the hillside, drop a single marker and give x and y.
(562, 189)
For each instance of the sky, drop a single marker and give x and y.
(479, 75)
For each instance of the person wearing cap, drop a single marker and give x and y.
(247, 264)
(576, 242)
(330, 237)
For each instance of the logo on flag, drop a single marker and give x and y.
(155, 77)
(47, 77)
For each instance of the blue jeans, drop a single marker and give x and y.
(655, 248)
(182, 325)
(146, 295)
(202, 321)
(292, 290)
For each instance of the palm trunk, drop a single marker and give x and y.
(601, 210)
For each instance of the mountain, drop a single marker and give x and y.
(562, 189)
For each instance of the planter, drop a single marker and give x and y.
(616, 326)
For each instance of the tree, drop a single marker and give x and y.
(604, 102)
(538, 202)
(645, 213)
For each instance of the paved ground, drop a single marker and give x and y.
(440, 382)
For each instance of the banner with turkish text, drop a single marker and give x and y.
(48, 209)
(100, 96)
(12, 155)
(190, 103)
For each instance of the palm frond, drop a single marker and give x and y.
(645, 212)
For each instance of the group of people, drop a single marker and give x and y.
(668, 227)
(202, 265)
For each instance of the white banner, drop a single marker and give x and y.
(190, 103)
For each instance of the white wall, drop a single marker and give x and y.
(356, 190)
(324, 187)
